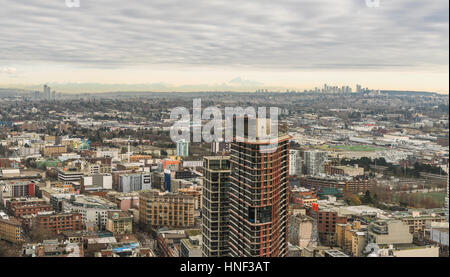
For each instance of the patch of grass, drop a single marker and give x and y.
(193, 232)
(437, 196)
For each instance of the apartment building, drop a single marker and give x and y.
(27, 206)
(295, 162)
(166, 209)
(11, 230)
(59, 222)
(350, 184)
(259, 193)
(417, 222)
(314, 162)
(16, 188)
(216, 204)
(351, 238)
(54, 150)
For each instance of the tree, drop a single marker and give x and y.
(412, 200)
(352, 199)
(150, 230)
(3, 251)
(367, 198)
(375, 199)
(39, 234)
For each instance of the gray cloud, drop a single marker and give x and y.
(288, 34)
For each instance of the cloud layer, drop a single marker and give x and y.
(287, 34)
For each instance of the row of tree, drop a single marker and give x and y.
(395, 170)
(378, 196)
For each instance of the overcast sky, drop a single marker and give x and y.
(210, 44)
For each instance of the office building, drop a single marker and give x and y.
(135, 182)
(69, 175)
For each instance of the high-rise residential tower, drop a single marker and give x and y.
(259, 194)
(216, 204)
(314, 162)
(295, 162)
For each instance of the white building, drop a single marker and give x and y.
(182, 148)
(98, 181)
(93, 209)
(135, 182)
(314, 162)
(295, 162)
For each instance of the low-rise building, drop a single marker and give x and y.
(166, 209)
(385, 232)
(59, 222)
(19, 207)
(301, 230)
(11, 229)
(69, 174)
(53, 248)
(345, 170)
(168, 242)
(191, 247)
(129, 249)
(345, 183)
(93, 209)
(417, 221)
(54, 150)
(119, 222)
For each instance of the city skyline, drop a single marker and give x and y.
(225, 45)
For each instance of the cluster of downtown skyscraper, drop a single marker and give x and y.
(245, 201)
